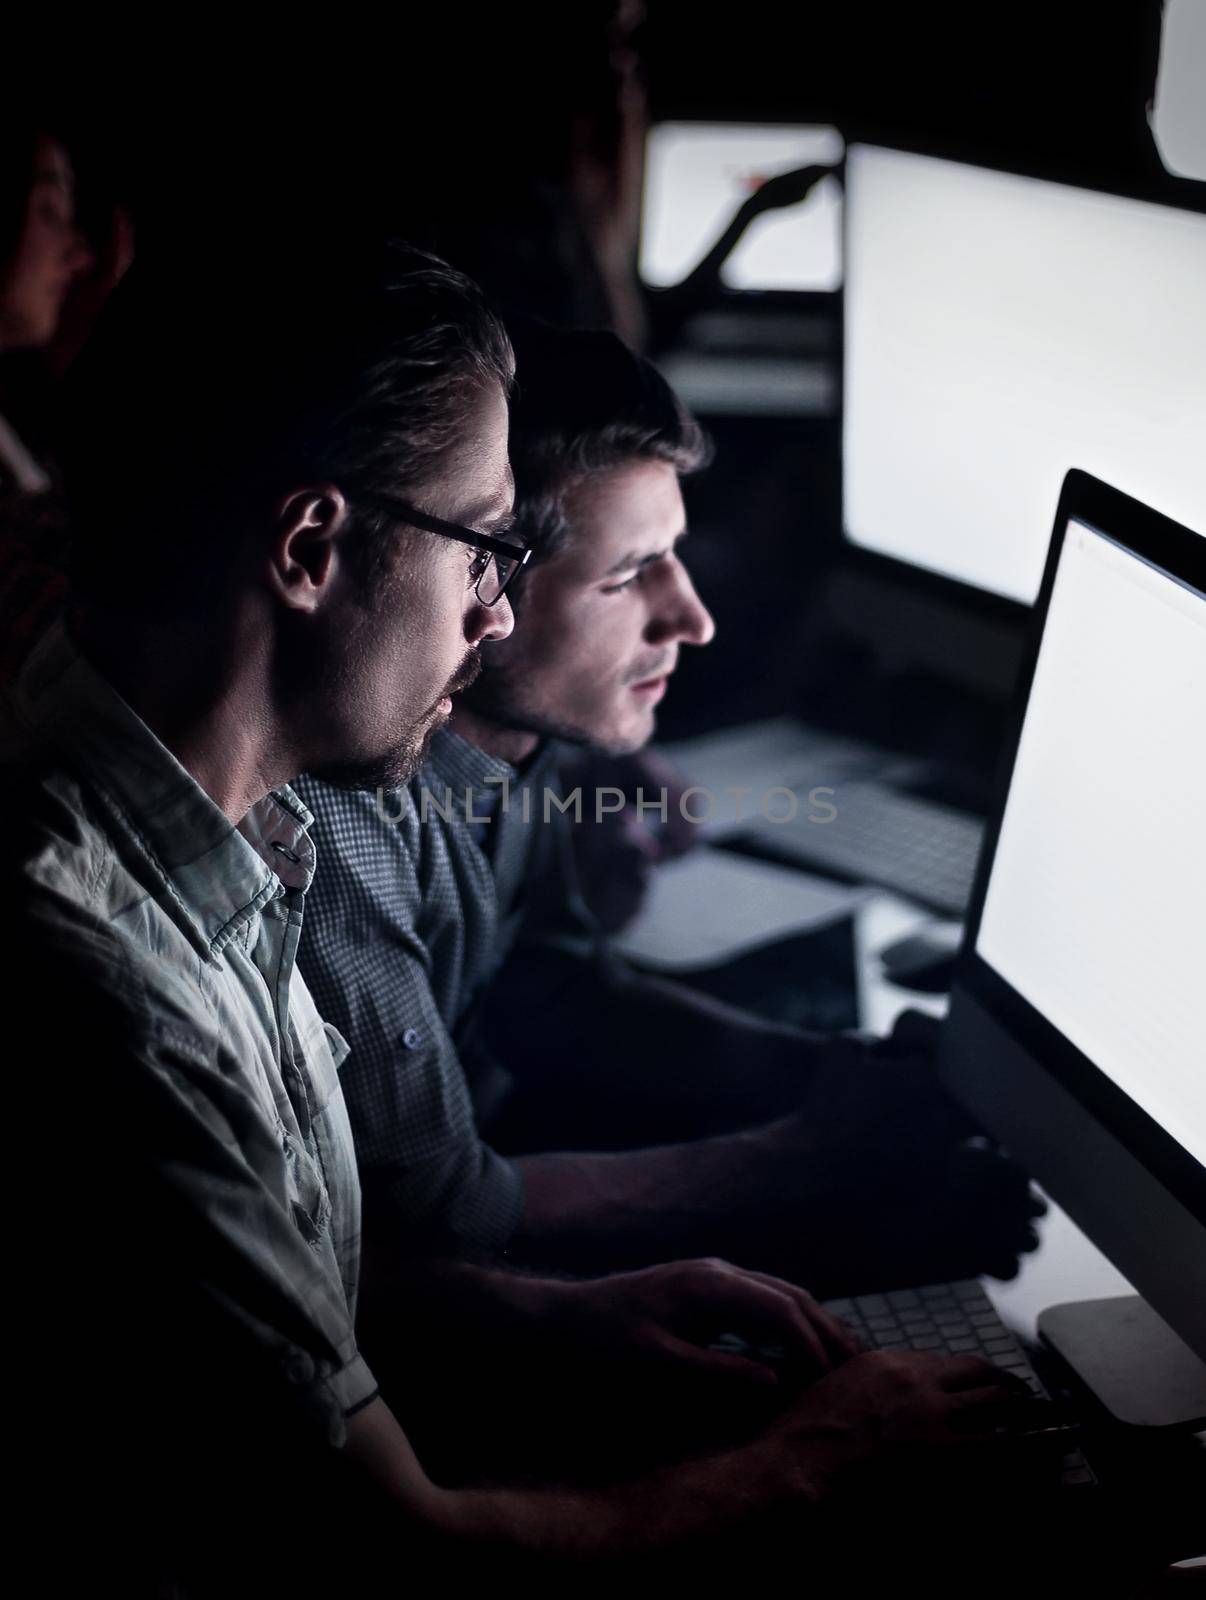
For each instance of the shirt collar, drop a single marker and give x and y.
(216, 876)
(463, 771)
(461, 766)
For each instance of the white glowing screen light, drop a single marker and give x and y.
(1178, 118)
(1000, 330)
(1094, 910)
(698, 174)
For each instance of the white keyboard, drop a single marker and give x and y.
(917, 847)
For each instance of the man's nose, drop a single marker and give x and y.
(682, 614)
(484, 622)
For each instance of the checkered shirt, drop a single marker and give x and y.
(410, 918)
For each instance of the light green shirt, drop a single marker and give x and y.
(188, 928)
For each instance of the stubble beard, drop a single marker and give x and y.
(399, 764)
(497, 696)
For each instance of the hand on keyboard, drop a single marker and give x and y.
(898, 1400)
(669, 1317)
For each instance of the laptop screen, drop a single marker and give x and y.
(1095, 911)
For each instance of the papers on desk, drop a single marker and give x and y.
(711, 906)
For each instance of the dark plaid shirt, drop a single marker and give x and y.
(410, 918)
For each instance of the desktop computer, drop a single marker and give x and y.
(998, 329)
(1077, 1028)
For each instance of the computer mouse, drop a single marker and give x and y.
(925, 960)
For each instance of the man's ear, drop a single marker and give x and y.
(304, 554)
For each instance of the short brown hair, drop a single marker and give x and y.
(200, 407)
(584, 402)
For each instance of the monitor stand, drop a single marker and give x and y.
(1130, 1359)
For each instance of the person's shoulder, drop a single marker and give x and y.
(91, 936)
(55, 844)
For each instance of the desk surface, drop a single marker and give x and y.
(1066, 1266)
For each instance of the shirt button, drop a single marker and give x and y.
(298, 1367)
(412, 1038)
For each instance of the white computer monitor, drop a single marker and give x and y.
(1077, 1030)
(696, 176)
(999, 330)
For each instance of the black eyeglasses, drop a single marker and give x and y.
(497, 563)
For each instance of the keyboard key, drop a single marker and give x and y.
(928, 1341)
(957, 1346)
(904, 1300)
(883, 1324)
(996, 1347)
(872, 1305)
(840, 1308)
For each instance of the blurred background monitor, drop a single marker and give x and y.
(1178, 113)
(696, 176)
(999, 330)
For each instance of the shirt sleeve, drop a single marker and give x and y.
(372, 956)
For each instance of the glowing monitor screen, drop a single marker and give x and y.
(998, 331)
(1096, 908)
(1178, 116)
(698, 174)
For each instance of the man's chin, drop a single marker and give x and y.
(387, 771)
(632, 734)
(628, 730)
(617, 740)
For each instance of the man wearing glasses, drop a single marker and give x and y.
(188, 1246)
(830, 1161)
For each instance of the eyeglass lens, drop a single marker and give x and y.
(495, 578)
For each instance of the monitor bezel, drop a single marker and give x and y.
(1175, 194)
(1180, 552)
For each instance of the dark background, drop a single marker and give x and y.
(453, 127)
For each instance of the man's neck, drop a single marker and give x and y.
(508, 744)
(215, 724)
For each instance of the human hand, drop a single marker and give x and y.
(898, 1184)
(665, 1316)
(889, 1401)
(617, 851)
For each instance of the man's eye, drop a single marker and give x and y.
(478, 565)
(616, 588)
